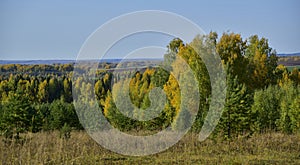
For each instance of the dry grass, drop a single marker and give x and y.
(47, 148)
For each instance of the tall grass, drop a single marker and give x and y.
(48, 148)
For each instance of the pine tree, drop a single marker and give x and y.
(236, 115)
(18, 115)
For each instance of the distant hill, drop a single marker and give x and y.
(288, 54)
(289, 59)
(36, 62)
(50, 62)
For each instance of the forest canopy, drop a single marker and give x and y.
(261, 94)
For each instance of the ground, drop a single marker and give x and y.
(48, 148)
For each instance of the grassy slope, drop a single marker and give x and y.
(47, 148)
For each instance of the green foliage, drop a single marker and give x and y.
(236, 115)
(62, 113)
(67, 90)
(182, 120)
(43, 94)
(18, 116)
(276, 108)
(295, 114)
(289, 109)
(262, 62)
(65, 131)
(261, 95)
(266, 108)
(114, 116)
(43, 116)
(54, 89)
(175, 44)
(231, 49)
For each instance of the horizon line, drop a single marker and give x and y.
(79, 60)
(67, 59)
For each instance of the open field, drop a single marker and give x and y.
(289, 60)
(290, 68)
(48, 148)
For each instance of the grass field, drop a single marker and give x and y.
(48, 148)
(290, 68)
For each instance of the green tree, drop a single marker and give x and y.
(231, 49)
(295, 76)
(266, 108)
(67, 90)
(174, 45)
(54, 90)
(295, 114)
(18, 115)
(114, 116)
(43, 116)
(61, 113)
(262, 62)
(100, 91)
(236, 115)
(289, 111)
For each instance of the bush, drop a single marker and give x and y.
(65, 132)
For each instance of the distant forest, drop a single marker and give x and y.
(263, 93)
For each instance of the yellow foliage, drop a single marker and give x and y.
(172, 91)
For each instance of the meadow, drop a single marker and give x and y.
(48, 148)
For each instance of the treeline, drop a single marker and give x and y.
(261, 95)
(44, 70)
(289, 60)
(30, 103)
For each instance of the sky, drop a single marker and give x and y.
(55, 29)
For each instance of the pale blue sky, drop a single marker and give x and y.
(56, 29)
